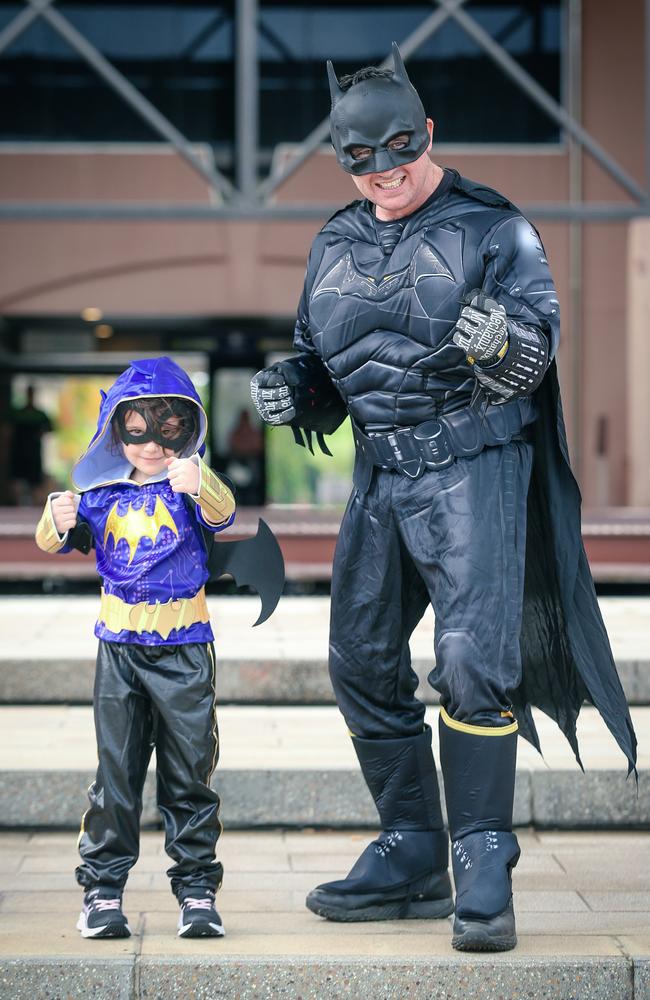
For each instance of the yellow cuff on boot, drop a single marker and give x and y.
(466, 727)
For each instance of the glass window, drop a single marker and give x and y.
(293, 475)
(463, 90)
(238, 435)
(71, 405)
(180, 56)
(70, 401)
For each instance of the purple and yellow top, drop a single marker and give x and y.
(151, 555)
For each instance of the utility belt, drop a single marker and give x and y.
(177, 613)
(438, 442)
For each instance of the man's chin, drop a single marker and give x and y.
(399, 202)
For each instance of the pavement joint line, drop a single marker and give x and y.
(580, 894)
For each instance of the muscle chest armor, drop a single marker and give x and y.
(383, 322)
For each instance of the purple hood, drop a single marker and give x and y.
(104, 462)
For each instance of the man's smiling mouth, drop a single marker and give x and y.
(391, 185)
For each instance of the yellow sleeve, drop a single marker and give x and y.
(214, 498)
(47, 537)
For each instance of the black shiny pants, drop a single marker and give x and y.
(148, 696)
(455, 538)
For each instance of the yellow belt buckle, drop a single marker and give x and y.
(146, 617)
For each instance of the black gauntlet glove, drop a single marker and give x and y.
(482, 330)
(273, 396)
(299, 392)
(509, 358)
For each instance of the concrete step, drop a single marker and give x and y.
(296, 767)
(582, 903)
(48, 650)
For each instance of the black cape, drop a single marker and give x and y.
(566, 655)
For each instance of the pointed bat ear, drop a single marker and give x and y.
(335, 90)
(399, 69)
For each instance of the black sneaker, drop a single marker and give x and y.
(101, 916)
(198, 916)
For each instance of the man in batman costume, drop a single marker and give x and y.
(151, 506)
(429, 316)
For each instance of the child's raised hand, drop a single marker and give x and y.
(64, 511)
(183, 475)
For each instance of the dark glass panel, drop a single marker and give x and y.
(467, 94)
(181, 57)
(178, 55)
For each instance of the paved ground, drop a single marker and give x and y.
(583, 910)
(48, 650)
(576, 894)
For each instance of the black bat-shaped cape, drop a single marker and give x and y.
(256, 562)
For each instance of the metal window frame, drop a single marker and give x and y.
(247, 199)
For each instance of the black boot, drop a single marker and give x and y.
(403, 874)
(478, 765)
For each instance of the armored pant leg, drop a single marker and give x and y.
(378, 598)
(455, 537)
(181, 684)
(467, 537)
(473, 561)
(110, 829)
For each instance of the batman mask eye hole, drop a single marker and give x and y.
(360, 152)
(171, 430)
(135, 423)
(399, 141)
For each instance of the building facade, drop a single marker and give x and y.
(165, 166)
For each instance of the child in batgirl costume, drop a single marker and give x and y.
(147, 497)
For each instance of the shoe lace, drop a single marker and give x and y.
(105, 904)
(197, 903)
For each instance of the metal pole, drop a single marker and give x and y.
(46, 211)
(246, 97)
(22, 21)
(574, 103)
(321, 133)
(206, 32)
(136, 100)
(647, 92)
(545, 101)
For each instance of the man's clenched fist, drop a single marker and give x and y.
(64, 511)
(482, 329)
(183, 475)
(273, 396)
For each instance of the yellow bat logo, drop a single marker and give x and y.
(136, 524)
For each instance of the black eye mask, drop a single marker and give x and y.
(371, 113)
(174, 437)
